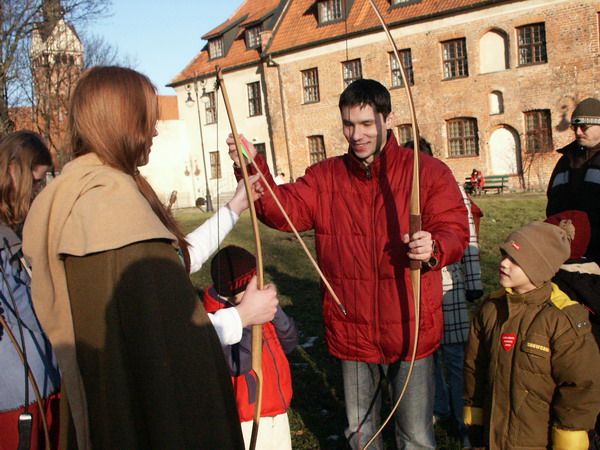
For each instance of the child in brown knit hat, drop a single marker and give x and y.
(531, 377)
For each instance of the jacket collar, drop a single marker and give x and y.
(576, 152)
(215, 295)
(538, 296)
(9, 240)
(378, 165)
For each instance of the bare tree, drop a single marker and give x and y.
(54, 71)
(18, 21)
(99, 52)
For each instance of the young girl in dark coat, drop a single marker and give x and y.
(579, 278)
(24, 161)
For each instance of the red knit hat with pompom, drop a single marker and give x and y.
(583, 231)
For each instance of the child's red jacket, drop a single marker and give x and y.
(279, 338)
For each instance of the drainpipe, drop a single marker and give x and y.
(271, 63)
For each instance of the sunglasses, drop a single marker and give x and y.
(582, 126)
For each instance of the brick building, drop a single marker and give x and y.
(235, 46)
(494, 81)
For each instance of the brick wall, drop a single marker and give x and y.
(568, 77)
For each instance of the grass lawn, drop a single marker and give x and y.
(317, 412)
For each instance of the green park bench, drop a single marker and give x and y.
(497, 182)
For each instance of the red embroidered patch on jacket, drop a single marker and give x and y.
(508, 341)
(515, 245)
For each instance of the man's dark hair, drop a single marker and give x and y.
(424, 146)
(367, 92)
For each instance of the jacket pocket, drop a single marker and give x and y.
(537, 354)
(529, 424)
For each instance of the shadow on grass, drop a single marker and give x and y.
(317, 414)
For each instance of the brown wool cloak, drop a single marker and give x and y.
(113, 242)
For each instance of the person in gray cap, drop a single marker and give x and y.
(575, 181)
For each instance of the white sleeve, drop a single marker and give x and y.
(205, 239)
(228, 324)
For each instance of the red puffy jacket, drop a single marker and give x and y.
(359, 215)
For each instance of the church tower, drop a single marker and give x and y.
(57, 62)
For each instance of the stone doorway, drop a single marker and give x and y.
(505, 152)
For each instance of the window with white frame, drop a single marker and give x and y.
(532, 44)
(404, 133)
(215, 48)
(330, 11)
(316, 148)
(211, 108)
(455, 59)
(352, 71)
(253, 37)
(406, 57)
(254, 99)
(310, 85)
(403, 2)
(538, 131)
(462, 137)
(215, 165)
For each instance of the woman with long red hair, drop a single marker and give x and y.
(142, 366)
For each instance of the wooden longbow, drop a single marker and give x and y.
(257, 330)
(415, 218)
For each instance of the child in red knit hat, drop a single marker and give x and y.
(579, 278)
(232, 268)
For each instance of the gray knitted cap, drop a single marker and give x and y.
(587, 112)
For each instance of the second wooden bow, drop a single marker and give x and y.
(257, 330)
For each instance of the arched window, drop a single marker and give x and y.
(493, 55)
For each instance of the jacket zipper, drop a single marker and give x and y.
(376, 330)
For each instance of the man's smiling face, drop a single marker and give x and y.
(365, 131)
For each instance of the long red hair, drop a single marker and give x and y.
(113, 114)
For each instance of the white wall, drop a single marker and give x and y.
(214, 135)
(166, 168)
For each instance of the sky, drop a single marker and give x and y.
(162, 36)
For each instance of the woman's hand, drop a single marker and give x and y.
(239, 203)
(257, 307)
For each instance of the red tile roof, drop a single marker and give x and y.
(299, 26)
(249, 12)
(167, 107)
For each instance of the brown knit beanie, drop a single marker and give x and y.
(587, 112)
(540, 248)
(231, 270)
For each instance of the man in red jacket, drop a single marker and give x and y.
(358, 205)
